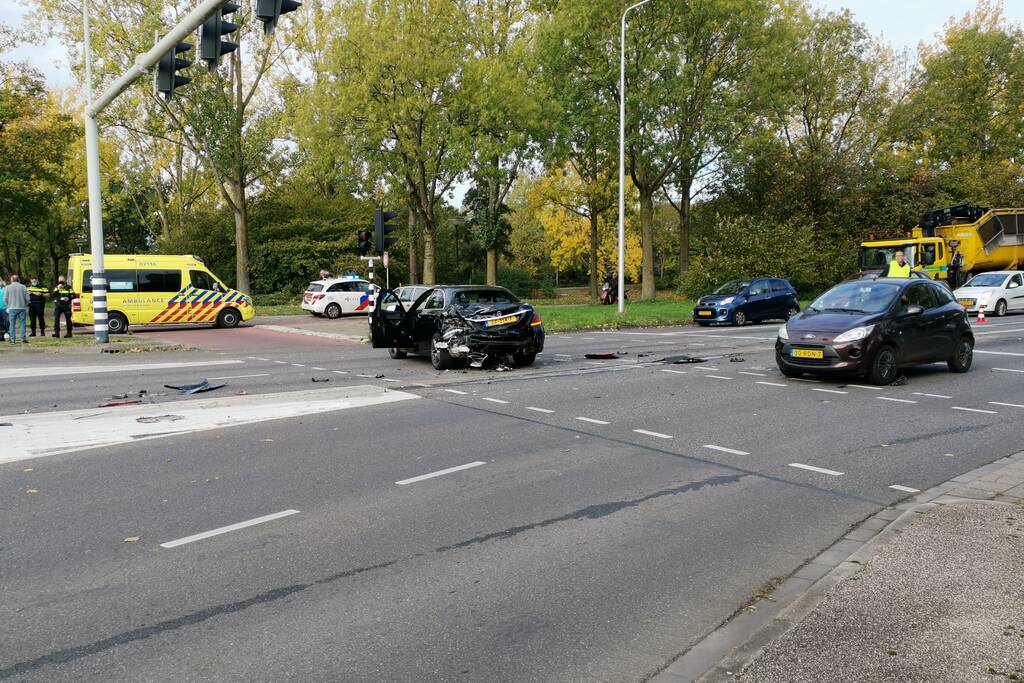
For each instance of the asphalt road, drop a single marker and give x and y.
(589, 519)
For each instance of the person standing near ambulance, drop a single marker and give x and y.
(37, 296)
(62, 296)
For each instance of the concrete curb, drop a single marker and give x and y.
(734, 645)
(315, 333)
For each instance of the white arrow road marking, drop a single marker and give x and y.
(440, 473)
(31, 435)
(50, 370)
(230, 527)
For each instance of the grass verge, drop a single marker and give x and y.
(598, 317)
(280, 309)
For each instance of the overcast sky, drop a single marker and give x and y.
(904, 23)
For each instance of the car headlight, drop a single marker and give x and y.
(783, 333)
(855, 334)
(727, 300)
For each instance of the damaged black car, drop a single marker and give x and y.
(459, 325)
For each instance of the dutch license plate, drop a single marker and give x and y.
(807, 353)
(966, 303)
(706, 313)
(501, 321)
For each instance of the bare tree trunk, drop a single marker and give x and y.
(684, 233)
(492, 266)
(429, 242)
(241, 213)
(594, 276)
(414, 266)
(647, 290)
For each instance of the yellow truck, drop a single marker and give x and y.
(156, 290)
(954, 243)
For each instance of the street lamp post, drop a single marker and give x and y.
(622, 157)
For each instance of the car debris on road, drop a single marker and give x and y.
(198, 388)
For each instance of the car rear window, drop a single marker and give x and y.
(483, 296)
(314, 287)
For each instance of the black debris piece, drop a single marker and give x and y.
(197, 388)
(378, 376)
(737, 359)
(644, 355)
(603, 356)
(682, 359)
(321, 379)
(6, 424)
(899, 381)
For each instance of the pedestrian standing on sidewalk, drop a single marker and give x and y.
(3, 311)
(37, 296)
(62, 297)
(16, 297)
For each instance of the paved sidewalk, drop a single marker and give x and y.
(937, 579)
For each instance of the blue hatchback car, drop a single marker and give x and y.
(742, 301)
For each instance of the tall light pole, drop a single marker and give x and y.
(622, 157)
(92, 155)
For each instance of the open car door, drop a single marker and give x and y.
(391, 326)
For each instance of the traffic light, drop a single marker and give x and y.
(382, 228)
(167, 78)
(364, 243)
(211, 47)
(268, 11)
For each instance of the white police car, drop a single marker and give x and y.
(334, 297)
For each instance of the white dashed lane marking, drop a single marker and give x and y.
(265, 374)
(755, 374)
(864, 386)
(674, 372)
(717, 377)
(772, 384)
(298, 365)
(830, 391)
(905, 489)
(812, 468)
(339, 372)
(894, 400)
(495, 400)
(440, 473)
(592, 421)
(456, 391)
(724, 449)
(226, 529)
(1007, 369)
(539, 410)
(657, 435)
(918, 393)
(1008, 405)
(975, 410)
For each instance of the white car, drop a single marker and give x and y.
(334, 297)
(1000, 292)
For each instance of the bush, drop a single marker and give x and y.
(745, 247)
(517, 280)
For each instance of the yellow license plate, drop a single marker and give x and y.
(501, 321)
(807, 353)
(707, 313)
(966, 303)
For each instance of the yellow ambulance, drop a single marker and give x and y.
(156, 290)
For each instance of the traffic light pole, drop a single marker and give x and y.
(143, 63)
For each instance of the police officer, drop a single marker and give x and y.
(62, 296)
(37, 296)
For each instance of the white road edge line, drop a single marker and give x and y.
(812, 468)
(772, 384)
(724, 449)
(539, 410)
(494, 400)
(830, 391)
(905, 489)
(265, 374)
(1008, 405)
(226, 529)
(658, 435)
(975, 410)
(592, 421)
(456, 391)
(440, 473)
(895, 400)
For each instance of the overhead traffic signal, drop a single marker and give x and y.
(381, 230)
(167, 78)
(364, 242)
(268, 11)
(211, 47)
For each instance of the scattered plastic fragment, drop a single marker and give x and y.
(197, 388)
(378, 376)
(737, 359)
(159, 418)
(680, 360)
(6, 424)
(32, 491)
(603, 356)
(133, 539)
(899, 381)
(321, 379)
(112, 404)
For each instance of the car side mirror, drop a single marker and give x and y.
(1012, 285)
(912, 310)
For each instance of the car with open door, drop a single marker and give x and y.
(457, 325)
(874, 327)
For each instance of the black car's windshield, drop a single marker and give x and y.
(986, 280)
(857, 297)
(733, 287)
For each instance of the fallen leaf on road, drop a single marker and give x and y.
(133, 539)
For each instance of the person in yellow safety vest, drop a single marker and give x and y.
(898, 267)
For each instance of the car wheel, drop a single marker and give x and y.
(228, 318)
(332, 311)
(524, 360)
(788, 371)
(1000, 309)
(117, 323)
(739, 318)
(440, 358)
(884, 366)
(791, 311)
(964, 356)
(396, 353)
